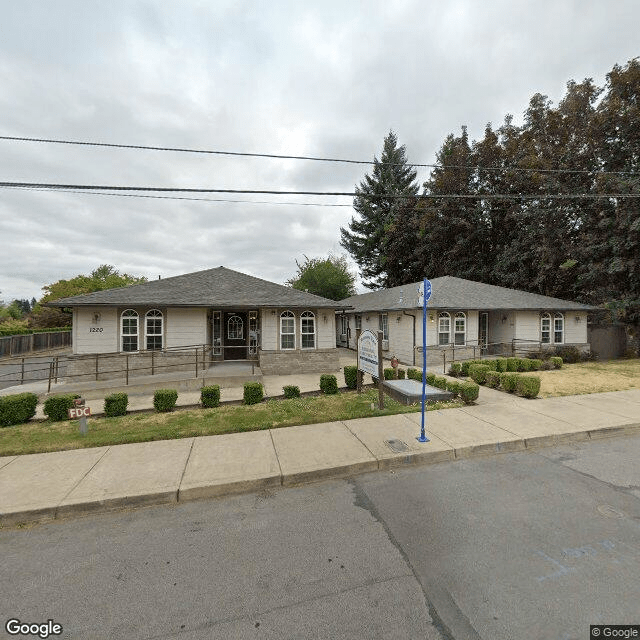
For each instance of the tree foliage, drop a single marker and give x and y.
(327, 277)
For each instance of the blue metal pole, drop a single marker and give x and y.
(423, 437)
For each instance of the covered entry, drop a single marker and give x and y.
(235, 335)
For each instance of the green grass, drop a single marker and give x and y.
(39, 437)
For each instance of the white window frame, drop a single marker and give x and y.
(444, 320)
(383, 325)
(129, 314)
(305, 317)
(460, 317)
(358, 321)
(238, 323)
(558, 318)
(288, 316)
(155, 315)
(545, 328)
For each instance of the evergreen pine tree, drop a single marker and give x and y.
(377, 206)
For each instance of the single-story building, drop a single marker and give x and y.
(227, 314)
(465, 319)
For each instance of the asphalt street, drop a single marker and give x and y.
(524, 545)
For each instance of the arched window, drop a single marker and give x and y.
(153, 330)
(444, 328)
(235, 328)
(287, 330)
(545, 328)
(460, 328)
(308, 330)
(129, 323)
(558, 328)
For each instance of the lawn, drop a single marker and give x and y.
(39, 437)
(590, 377)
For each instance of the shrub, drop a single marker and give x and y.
(254, 392)
(546, 365)
(557, 362)
(351, 376)
(465, 366)
(528, 386)
(401, 373)
(512, 364)
(17, 409)
(535, 364)
(568, 354)
(55, 407)
(414, 374)
(210, 396)
(389, 373)
(469, 392)
(291, 391)
(455, 369)
(116, 405)
(440, 383)
(164, 399)
(508, 381)
(492, 364)
(522, 364)
(328, 383)
(453, 386)
(478, 372)
(430, 378)
(501, 365)
(492, 379)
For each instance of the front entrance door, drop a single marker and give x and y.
(236, 335)
(483, 333)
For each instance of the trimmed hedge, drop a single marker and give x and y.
(546, 365)
(453, 386)
(253, 392)
(478, 372)
(291, 391)
(535, 364)
(164, 399)
(328, 383)
(440, 383)
(401, 373)
(512, 364)
(210, 396)
(528, 386)
(17, 409)
(455, 369)
(430, 378)
(116, 405)
(55, 407)
(492, 379)
(501, 365)
(414, 374)
(469, 392)
(568, 354)
(465, 366)
(351, 376)
(508, 381)
(557, 362)
(389, 373)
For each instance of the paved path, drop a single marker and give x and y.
(45, 486)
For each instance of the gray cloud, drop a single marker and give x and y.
(281, 77)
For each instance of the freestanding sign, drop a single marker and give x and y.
(81, 412)
(368, 353)
(424, 293)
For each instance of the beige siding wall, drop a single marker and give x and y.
(527, 326)
(326, 329)
(269, 319)
(184, 326)
(575, 332)
(500, 331)
(91, 336)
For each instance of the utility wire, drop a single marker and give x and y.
(455, 196)
(312, 158)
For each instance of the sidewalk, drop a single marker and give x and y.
(41, 487)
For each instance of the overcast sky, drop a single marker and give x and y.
(327, 79)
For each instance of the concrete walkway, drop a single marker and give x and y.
(41, 487)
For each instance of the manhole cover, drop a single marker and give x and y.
(396, 445)
(608, 511)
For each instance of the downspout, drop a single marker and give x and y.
(411, 315)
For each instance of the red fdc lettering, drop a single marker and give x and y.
(80, 412)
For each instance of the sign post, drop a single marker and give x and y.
(370, 358)
(81, 413)
(424, 293)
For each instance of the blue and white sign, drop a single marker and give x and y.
(422, 287)
(368, 353)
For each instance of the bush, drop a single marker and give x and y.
(55, 407)
(492, 379)
(569, 355)
(253, 392)
(328, 383)
(469, 392)
(478, 372)
(453, 387)
(528, 386)
(17, 409)
(546, 365)
(116, 405)
(351, 376)
(440, 383)
(430, 378)
(401, 373)
(164, 399)
(557, 362)
(291, 391)
(512, 364)
(465, 366)
(508, 381)
(535, 364)
(492, 364)
(210, 396)
(455, 369)
(389, 373)
(414, 374)
(522, 364)
(501, 365)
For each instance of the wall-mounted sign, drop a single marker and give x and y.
(368, 353)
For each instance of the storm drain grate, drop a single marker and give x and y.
(396, 445)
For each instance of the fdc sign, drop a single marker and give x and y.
(368, 353)
(79, 412)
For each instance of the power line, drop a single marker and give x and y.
(276, 156)
(541, 196)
